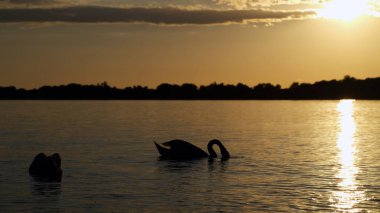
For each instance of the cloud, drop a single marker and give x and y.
(243, 4)
(174, 16)
(30, 2)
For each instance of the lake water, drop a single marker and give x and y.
(286, 156)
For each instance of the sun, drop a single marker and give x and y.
(345, 10)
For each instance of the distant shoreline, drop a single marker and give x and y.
(346, 88)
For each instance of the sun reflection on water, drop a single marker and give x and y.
(347, 194)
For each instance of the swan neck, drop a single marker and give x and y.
(211, 151)
(223, 151)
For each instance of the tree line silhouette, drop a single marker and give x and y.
(348, 87)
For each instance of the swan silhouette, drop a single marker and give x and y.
(46, 168)
(179, 149)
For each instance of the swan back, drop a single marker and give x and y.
(179, 149)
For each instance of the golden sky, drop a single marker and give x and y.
(145, 42)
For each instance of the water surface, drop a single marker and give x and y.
(287, 156)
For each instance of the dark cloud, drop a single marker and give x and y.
(29, 1)
(148, 15)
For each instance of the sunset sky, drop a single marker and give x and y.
(146, 42)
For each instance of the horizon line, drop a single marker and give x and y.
(105, 83)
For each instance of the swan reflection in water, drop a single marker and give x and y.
(46, 188)
(347, 194)
(179, 149)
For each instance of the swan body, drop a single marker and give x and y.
(46, 168)
(179, 149)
